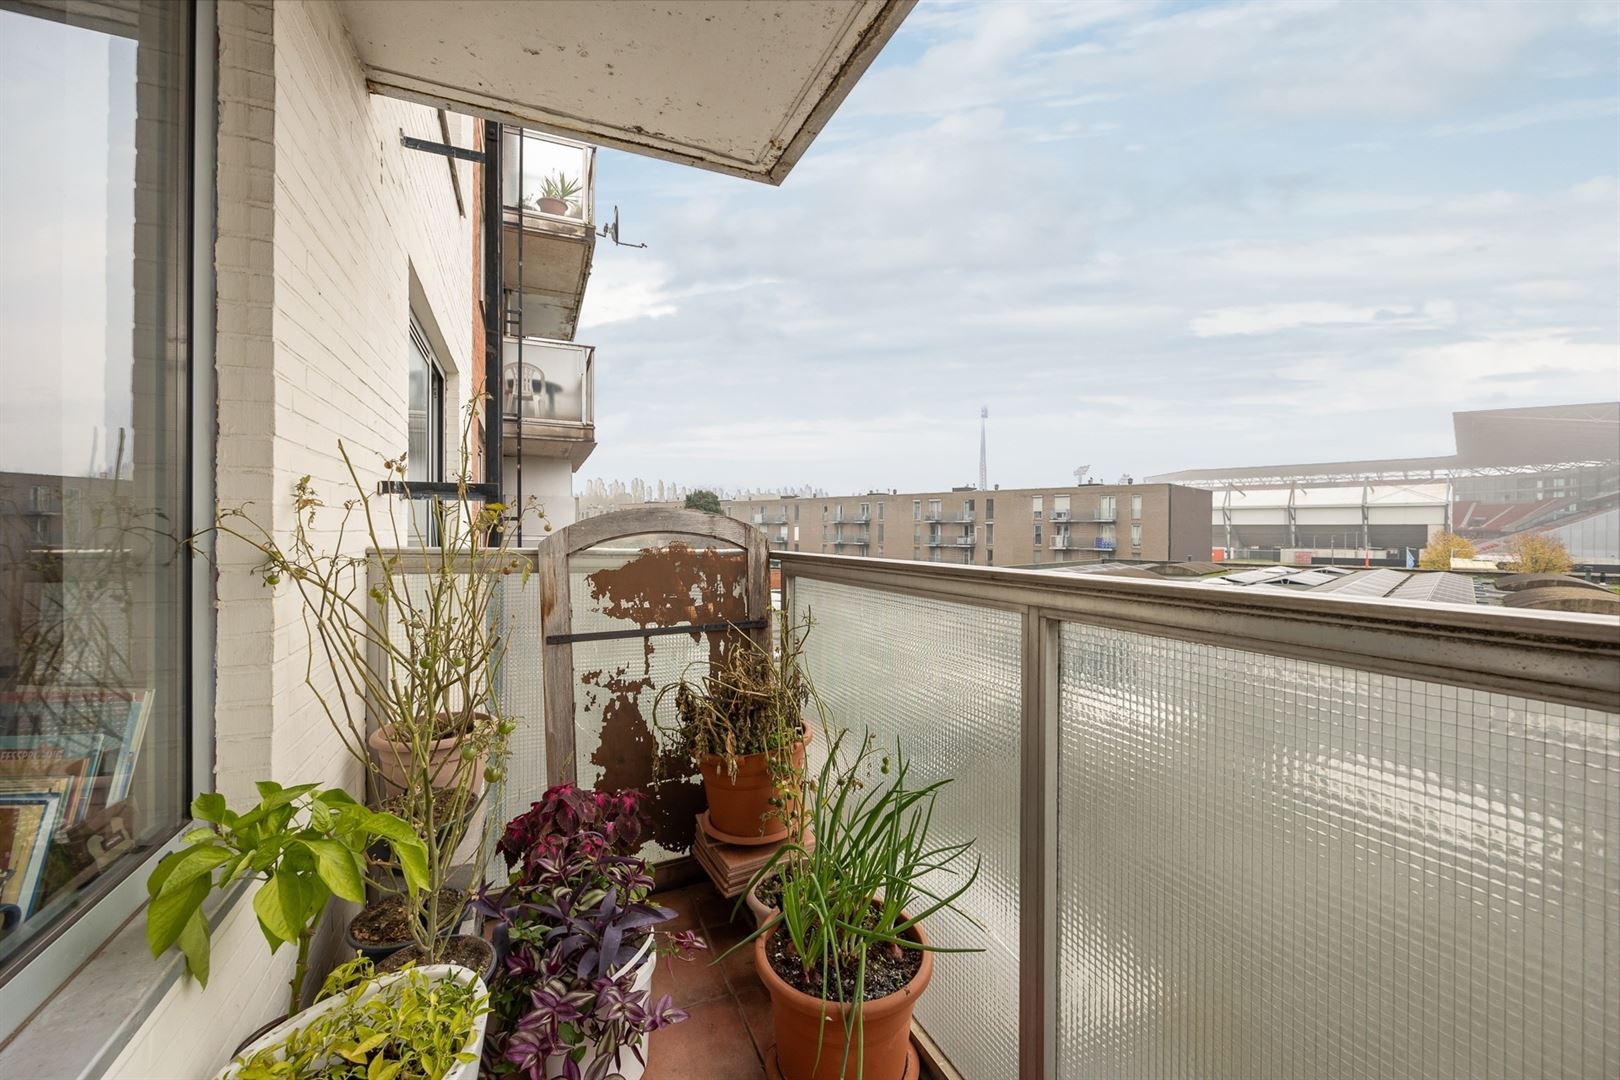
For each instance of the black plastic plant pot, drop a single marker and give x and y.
(377, 952)
(258, 1031)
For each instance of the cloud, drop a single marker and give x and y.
(1267, 320)
(1105, 223)
(1550, 113)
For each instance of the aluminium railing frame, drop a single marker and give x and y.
(1570, 660)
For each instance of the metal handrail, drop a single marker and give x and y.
(1565, 658)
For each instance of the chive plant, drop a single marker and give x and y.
(869, 875)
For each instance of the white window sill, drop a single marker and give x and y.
(82, 1028)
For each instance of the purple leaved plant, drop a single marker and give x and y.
(573, 916)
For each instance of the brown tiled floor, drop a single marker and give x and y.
(730, 1025)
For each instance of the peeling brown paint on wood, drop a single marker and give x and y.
(661, 586)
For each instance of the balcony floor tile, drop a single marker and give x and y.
(729, 1028)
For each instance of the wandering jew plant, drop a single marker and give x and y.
(578, 928)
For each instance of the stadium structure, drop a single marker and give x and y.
(1552, 469)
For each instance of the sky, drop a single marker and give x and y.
(1146, 236)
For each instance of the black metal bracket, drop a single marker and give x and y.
(658, 631)
(410, 142)
(421, 489)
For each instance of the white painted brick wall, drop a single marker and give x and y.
(323, 220)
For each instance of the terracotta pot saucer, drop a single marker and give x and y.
(745, 841)
(913, 1064)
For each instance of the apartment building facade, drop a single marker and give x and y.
(999, 527)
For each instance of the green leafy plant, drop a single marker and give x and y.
(411, 632)
(560, 187)
(305, 845)
(416, 1026)
(869, 877)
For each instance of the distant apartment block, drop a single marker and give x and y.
(1000, 527)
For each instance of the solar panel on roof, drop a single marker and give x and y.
(1440, 588)
(1365, 583)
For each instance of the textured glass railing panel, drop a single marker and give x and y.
(944, 678)
(1273, 868)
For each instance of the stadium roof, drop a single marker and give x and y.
(1487, 440)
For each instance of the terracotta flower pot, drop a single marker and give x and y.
(553, 206)
(801, 1034)
(397, 762)
(739, 806)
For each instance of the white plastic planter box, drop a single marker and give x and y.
(643, 963)
(475, 1041)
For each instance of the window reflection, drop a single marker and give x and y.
(92, 452)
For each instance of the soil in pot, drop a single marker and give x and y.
(765, 900)
(383, 927)
(398, 805)
(888, 968)
(807, 1048)
(740, 806)
(471, 952)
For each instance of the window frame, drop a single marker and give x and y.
(62, 952)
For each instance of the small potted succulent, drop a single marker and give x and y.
(415, 1023)
(846, 957)
(306, 845)
(742, 723)
(573, 996)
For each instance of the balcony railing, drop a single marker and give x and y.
(1223, 832)
(965, 541)
(933, 515)
(1096, 515)
(1230, 834)
(1060, 515)
(547, 381)
(548, 184)
(966, 516)
(1065, 543)
(1103, 543)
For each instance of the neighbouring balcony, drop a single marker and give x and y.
(933, 515)
(1103, 543)
(1065, 543)
(1096, 515)
(547, 389)
(967, 516)
(548, 185)
(1060, 515)
(965, 541)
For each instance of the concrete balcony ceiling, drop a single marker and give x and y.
(739, 88)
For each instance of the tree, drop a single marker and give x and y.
(703, 500)
(1443, 547)
(1538, 553)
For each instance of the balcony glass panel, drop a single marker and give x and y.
(945, 679)
(1269, 867)
(546, 380)
(550, 179)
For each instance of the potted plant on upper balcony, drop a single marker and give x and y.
(413, 632)
(574, 993)
(559, 194)
(742, 723)
(846, 957)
